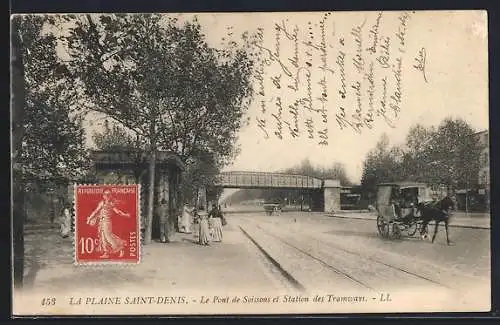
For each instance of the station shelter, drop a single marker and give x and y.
(132, 167)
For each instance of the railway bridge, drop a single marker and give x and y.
(324, 193)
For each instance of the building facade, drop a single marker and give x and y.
(129, 167)
(477, 197)
(484, 168)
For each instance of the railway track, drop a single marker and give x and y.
(442, 275)
(334, 264)
(305, 271)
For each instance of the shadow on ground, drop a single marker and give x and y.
(355, 233)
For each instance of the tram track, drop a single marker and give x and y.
(333, 268)
(422, 268)
(294, 283)
(373, 276)
(361, 256)
(292, 276)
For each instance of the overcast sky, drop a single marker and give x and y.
(456, 71)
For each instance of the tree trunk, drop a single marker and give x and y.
(151, 197)
(17, 107)
(178, 207)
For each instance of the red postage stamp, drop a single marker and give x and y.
(107, 225)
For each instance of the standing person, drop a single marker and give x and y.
(65, 222)
(222, 218)
(163, 214)
(204, 231)
(196, 222)
(216, 223)
(186, 220)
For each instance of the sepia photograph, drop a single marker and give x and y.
(250, 163)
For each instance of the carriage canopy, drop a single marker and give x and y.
(416, 192)
(406, 195)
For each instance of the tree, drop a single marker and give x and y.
(335, 171)
(53, 145)
(162, 81)
(17, 128)
(382, 164)
(306, 168)
(455, 154)
(446, 155)
(47, 139)
(418, 153)
(201, 172)
(114, 137)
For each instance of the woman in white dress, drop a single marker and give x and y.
(186, 219)
(65, 223)
(216, 223)
(204, 231)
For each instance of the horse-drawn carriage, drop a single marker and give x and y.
(397, 208)
(271, 208)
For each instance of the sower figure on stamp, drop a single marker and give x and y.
(108, 242)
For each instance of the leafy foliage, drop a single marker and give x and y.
(446, 155)
(114, 137)
(335, 171)
(201, 171)
(455, 154)
(53, 142)
(161, 80)
(382, 164)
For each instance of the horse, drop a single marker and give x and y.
(439, 212)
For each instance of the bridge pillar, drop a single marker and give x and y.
(331, 194)
(316, 200)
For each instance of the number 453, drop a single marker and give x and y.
(48, 301)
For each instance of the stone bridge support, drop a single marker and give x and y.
(331, 195)
(316, 202)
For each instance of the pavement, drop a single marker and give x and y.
(237, 265)
(458, 219)
(469, 253)
(181, 265)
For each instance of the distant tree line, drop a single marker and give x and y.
(444, 155)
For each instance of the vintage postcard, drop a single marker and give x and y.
(250, 163)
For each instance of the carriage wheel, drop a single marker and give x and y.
(412, 228)
(383, 228)
(396, 231)
(390, 230)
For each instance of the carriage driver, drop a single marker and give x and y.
(411, 201)
(396, 202)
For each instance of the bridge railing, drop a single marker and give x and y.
(269, 180)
